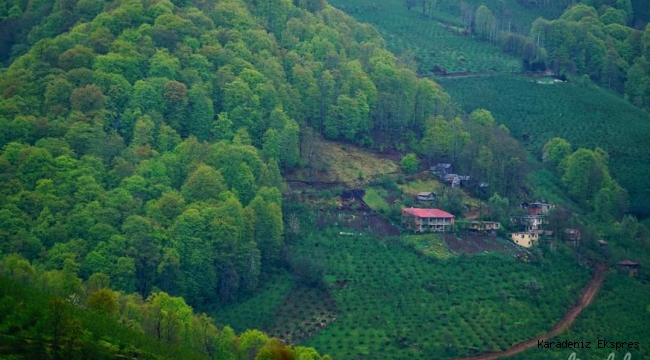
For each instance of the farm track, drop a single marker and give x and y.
(588, 295)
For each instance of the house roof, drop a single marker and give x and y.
(530, 232)
(425, 193)
(572, 231)
(627, 263)
(602, 242)
(428, 213)
(440, 167)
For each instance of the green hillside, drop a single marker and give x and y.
(164, 159)
(585, 116)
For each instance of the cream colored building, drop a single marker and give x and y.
(525, 239)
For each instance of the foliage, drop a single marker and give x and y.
(410, 163)
(556, 150)
(41, 319)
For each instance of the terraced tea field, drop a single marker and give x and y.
(429, 42)
(585, 116)
(391, 301)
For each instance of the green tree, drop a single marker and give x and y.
(102, 300)
(290, 151)
(555, 151)
(175, 110)
(637, 85)
(201, 112)
(88, 9)
(271, 146)
(88, 99)
(204, 184)
(586, 173)
(164, 65)
(222, 128)
(410, 163)
(57, 96)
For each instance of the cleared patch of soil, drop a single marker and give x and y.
(473, 244)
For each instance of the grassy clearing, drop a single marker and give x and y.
(375, 199)
(429, 42)
(338, 162)
(617, 314)
(429, 245)
(414, 187)
(586, 117)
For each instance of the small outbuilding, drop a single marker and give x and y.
(572, 237)
(452, 180)
(441, 169)
(628, 266)
(426, 196)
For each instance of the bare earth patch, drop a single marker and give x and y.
(473, 244)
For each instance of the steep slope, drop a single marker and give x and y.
(143, 141)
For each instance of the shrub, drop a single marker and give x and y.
(410, 163)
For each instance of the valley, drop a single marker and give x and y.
(304, 180)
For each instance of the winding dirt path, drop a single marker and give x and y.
(588, 294)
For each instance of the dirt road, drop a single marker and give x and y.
(588, 295)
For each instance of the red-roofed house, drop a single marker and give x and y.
(427, 219)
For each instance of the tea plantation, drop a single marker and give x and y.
(585, 116)
(426, 39)
(390, 300)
